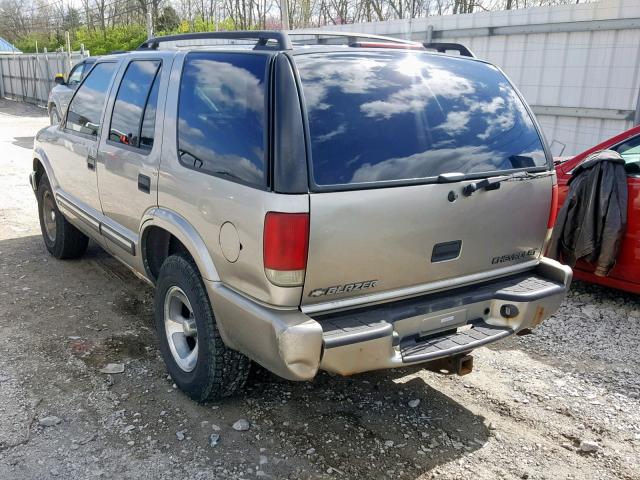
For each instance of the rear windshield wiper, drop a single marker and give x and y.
(494, 182)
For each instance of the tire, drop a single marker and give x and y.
(62, 239)
(182, 303)
(54, 116)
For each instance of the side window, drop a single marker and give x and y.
(85, 110)
(135, 98)
(221, 115)
(149, 118)
(76, 75)
(630, 151)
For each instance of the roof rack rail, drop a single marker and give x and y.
(262, 37)
(390, 45)
(443, 47)
(351, 36)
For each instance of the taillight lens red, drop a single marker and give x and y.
(553, 213)
(286, 241)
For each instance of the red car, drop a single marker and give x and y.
(626, 274)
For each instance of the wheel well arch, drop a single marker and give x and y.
(51, 105)
(166, 233)
(39, 170)
(156, 246)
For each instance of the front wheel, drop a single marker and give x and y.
(62, 239)
(197, 359)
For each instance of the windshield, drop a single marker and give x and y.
(397, 116)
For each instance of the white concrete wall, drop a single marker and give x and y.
(594, 69)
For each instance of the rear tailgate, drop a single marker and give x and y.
(398, 237)
(395, 138)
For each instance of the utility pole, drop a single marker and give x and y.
(68, 49)
(149, 26)
(284, 14)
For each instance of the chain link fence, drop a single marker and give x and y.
(30, 77)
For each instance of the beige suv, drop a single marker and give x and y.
(314, 201)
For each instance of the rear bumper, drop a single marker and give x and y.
(404, 332)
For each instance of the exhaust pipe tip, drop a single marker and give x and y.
(524, 331)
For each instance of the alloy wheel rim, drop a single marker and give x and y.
(180, 329)
(49, 215)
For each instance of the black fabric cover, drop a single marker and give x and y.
(593, 218)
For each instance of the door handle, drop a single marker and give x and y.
(91, 158)
(144, 183)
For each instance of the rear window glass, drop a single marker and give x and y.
(221, 116)
(390, 116)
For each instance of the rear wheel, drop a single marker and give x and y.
(198, 361)
(62, 239)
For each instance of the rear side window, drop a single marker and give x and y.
(397, 116)
(85, 110)
(221, 115)
(135, 98)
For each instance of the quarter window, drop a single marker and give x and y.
(85, 110)
(221, 116)
(136, 100)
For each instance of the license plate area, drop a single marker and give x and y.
(443, 322)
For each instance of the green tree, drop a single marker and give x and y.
(124, 37)
(168, 20)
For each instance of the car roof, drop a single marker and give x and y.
(295, 42)
(307, 49)
(297, 50)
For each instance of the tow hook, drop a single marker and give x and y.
(460, 365)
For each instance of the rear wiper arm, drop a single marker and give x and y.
(493, 183)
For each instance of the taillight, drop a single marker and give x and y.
(286, 240)
(553, 213)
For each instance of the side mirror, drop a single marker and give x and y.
(59, 79)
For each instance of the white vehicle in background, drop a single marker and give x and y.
(61, 94)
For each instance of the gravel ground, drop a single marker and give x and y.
(562, 403)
